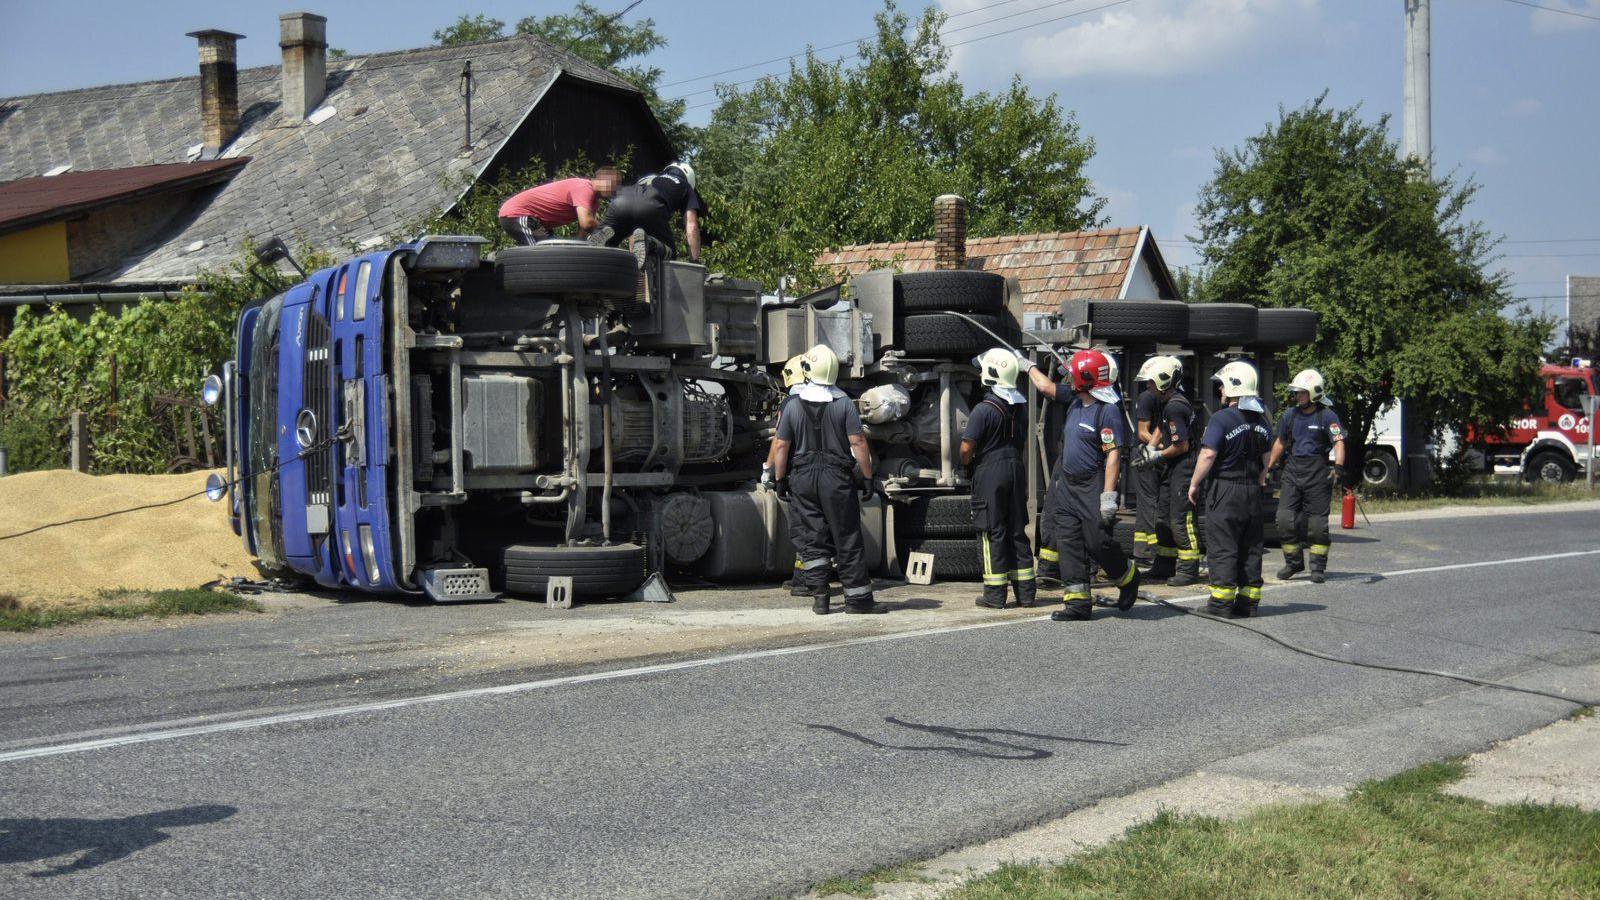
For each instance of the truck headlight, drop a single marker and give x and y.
(370, 554)
(216, 488)
(211, 390)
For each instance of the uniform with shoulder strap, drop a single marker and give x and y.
(999, 482)
(1235, 537)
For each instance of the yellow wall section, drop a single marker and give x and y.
(35, 256)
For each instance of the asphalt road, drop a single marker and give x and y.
(766, 773)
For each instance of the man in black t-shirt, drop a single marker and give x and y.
(1305, 435)
(1169, 454)
(649, 205)
(1234, 456)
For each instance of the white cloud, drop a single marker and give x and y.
(1547, 22)
(1525, 107)
(1487, 156)
(1151, 37)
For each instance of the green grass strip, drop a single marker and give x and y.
(122, 603)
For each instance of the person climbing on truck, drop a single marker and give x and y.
(1305, 435)
(1082, 502)
(993, 444)
(831, 464)
(1233, 457)
(533, 215)
(648, 206)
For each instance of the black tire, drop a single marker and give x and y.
(596, 571)
(951, 558)
(928, 517)
(1381, 469)
(1285, 327)
(1131, 321)
(1222, 324)
(961, 291)
(564, 269)
(1549, 467)
(948, 336)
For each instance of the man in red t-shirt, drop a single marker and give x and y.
(530, 216)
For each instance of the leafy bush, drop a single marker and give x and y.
(33, 439)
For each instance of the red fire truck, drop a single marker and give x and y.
(1550, 440)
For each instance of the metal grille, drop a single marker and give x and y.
(317, 396)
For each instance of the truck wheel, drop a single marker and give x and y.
(1381, 469)
(596, 571)
(1137, 321)
(952, 558)
(1285, 327)
(557, 268)
(939, 335)
(925, 517)
(1550, 467)
(1222, 324)
(961, 291)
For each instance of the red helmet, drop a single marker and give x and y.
(1089, 369)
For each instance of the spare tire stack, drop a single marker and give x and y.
(922, 299)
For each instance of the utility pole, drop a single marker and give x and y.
(1416, 140)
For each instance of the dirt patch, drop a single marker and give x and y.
(182, 545)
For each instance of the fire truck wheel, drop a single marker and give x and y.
(952, 558)
(568, 268)
(1222, 324)
(1550, 467)
(947, 336)
(1285, 327)
(960, 291)
(596, 571)
(1131, 321)
(926, 517)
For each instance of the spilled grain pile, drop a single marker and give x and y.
(178, 546)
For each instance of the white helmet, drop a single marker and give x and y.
(792, 373)
(1310, 381)
(1238, 379)
(997, 366)
(1161, 371)
(686, 169)
(821, 365)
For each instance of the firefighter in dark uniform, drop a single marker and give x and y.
(993, 445)
(1171, 456)
(830, 464)
(793, 379)
(1048, 563)
(1305, 434)
(1147, 478)
(1233, 456)
(1083, 487)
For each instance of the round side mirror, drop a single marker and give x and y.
(216, 488)
(211, 390)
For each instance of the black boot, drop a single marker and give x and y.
(1243, 609)
(1293, 564)
(1319, 568)
(1128, 594)
(864, 606)
(1025, 591)
(819, 604)
(1188, 573)
(796, 589)
(1164, 567)
(994, 597)
(1047, 569)
(1074, 611)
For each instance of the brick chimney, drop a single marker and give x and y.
(303, 36)
(219, 89)
(949, 232)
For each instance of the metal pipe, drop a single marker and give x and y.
(947, 468)
(457, 424)
(605, 439)
(94, 297)
(558, 497)
(576, 507)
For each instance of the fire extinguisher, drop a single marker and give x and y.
(1347, 511)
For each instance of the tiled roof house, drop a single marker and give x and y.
(335, 152)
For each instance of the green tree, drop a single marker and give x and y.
(1320, 211)
(599, 37)
(837, 153)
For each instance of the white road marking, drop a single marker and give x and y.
(165, 732)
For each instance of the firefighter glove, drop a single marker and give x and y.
(1108, 508)
(766, 476)
(1337, 476)
(782, 485)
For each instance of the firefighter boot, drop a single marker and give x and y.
(1128, 594)
(1163, 568)
(994, 597)
(1293, 562)
(819, 603)
(1074, 611)
(1188, 573)
(1025, 592)
(1319, 567)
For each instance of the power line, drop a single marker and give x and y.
(1554, 241)
(603, 23)
(1552, 9)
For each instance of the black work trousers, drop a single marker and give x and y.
(1147, 510)
(1000, 513)
(1234, 539)
(636, 206)
(1303, 499)
(824, 501)
(1080, 540)
(1176, 535)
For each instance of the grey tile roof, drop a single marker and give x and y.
(390, 153)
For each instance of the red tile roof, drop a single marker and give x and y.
(1066, 265)
(27, 201)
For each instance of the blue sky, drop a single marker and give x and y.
(1158, 83)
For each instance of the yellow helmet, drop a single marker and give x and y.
(792, 374)
(997, 367)
(821, 365)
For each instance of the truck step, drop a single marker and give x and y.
(457, 585)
